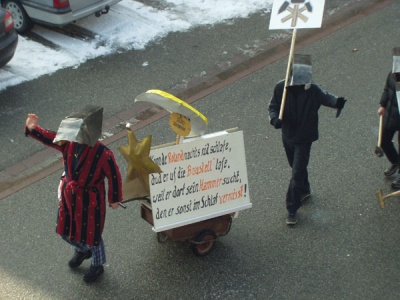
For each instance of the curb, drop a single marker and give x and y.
(48, 161)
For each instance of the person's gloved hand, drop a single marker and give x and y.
(339, 105)
(277, 123)
(340, 102)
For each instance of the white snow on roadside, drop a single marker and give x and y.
(130, 25)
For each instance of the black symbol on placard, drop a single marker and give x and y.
(296, 11)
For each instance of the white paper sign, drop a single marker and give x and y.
(202, 178)
(291, 14)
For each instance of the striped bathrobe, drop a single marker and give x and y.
(82, 207)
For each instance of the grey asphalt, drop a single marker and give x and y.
(344, 246)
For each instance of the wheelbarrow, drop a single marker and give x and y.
(202, 235)
(205, 163)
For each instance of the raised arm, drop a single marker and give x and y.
(31, 121)
(36, 132)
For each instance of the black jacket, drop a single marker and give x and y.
(300, 115)
(391, 118)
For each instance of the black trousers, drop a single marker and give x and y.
(388, 146)
(298, 155)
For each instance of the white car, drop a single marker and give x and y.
(26, 13)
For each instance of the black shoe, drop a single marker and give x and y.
(78, 258)
(93, 273)
(292, 219)
(396, 184)
(391, 170)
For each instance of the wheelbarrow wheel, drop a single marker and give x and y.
(204, 243)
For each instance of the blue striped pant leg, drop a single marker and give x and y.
(98, 254)
(77, 246)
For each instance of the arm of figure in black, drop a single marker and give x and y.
(330, 100)
(275, 106)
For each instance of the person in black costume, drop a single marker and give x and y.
(299, 126)
(391, 119)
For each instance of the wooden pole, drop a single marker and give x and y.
(288, 72)
(378, 150)
(381, 198)
(380, 130)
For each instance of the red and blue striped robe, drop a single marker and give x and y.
(82, 208)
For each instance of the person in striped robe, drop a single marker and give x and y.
(82, 205)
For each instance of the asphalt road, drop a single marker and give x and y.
(344, 246)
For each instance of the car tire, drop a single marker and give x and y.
(22, 22)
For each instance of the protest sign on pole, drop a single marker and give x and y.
(295, 14)
(203, 178)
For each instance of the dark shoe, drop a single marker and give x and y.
(93, 273)
(78, 258)
(305, 197)
(292, 219)
(391, 170)
(396, 184)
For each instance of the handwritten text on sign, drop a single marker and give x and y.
(202, 178)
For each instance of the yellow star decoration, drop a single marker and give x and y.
(140, 165)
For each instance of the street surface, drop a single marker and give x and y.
(344, 246)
